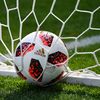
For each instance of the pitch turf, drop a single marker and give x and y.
(15, 88)
(76, 24)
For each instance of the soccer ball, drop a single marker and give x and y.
(40, 58)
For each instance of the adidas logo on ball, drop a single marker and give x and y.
(40, 52)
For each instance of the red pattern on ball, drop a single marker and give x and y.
(46, 39)
(26, 47)
(57, 58)
(35, 69)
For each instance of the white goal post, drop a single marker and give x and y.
(80, 76)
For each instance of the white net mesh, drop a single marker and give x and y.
(76, 41)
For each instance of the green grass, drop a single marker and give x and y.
(15, 88)
(76, 24)
(80, 61)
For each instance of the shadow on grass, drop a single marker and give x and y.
(31, 92)
(59, 91)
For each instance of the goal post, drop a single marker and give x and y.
(75, 22)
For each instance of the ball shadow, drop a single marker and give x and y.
(28, 91)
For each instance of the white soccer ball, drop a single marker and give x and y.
(41, 58)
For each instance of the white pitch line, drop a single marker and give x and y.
(84, 42)
(7, 70)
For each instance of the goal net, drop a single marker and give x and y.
(76, 22)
